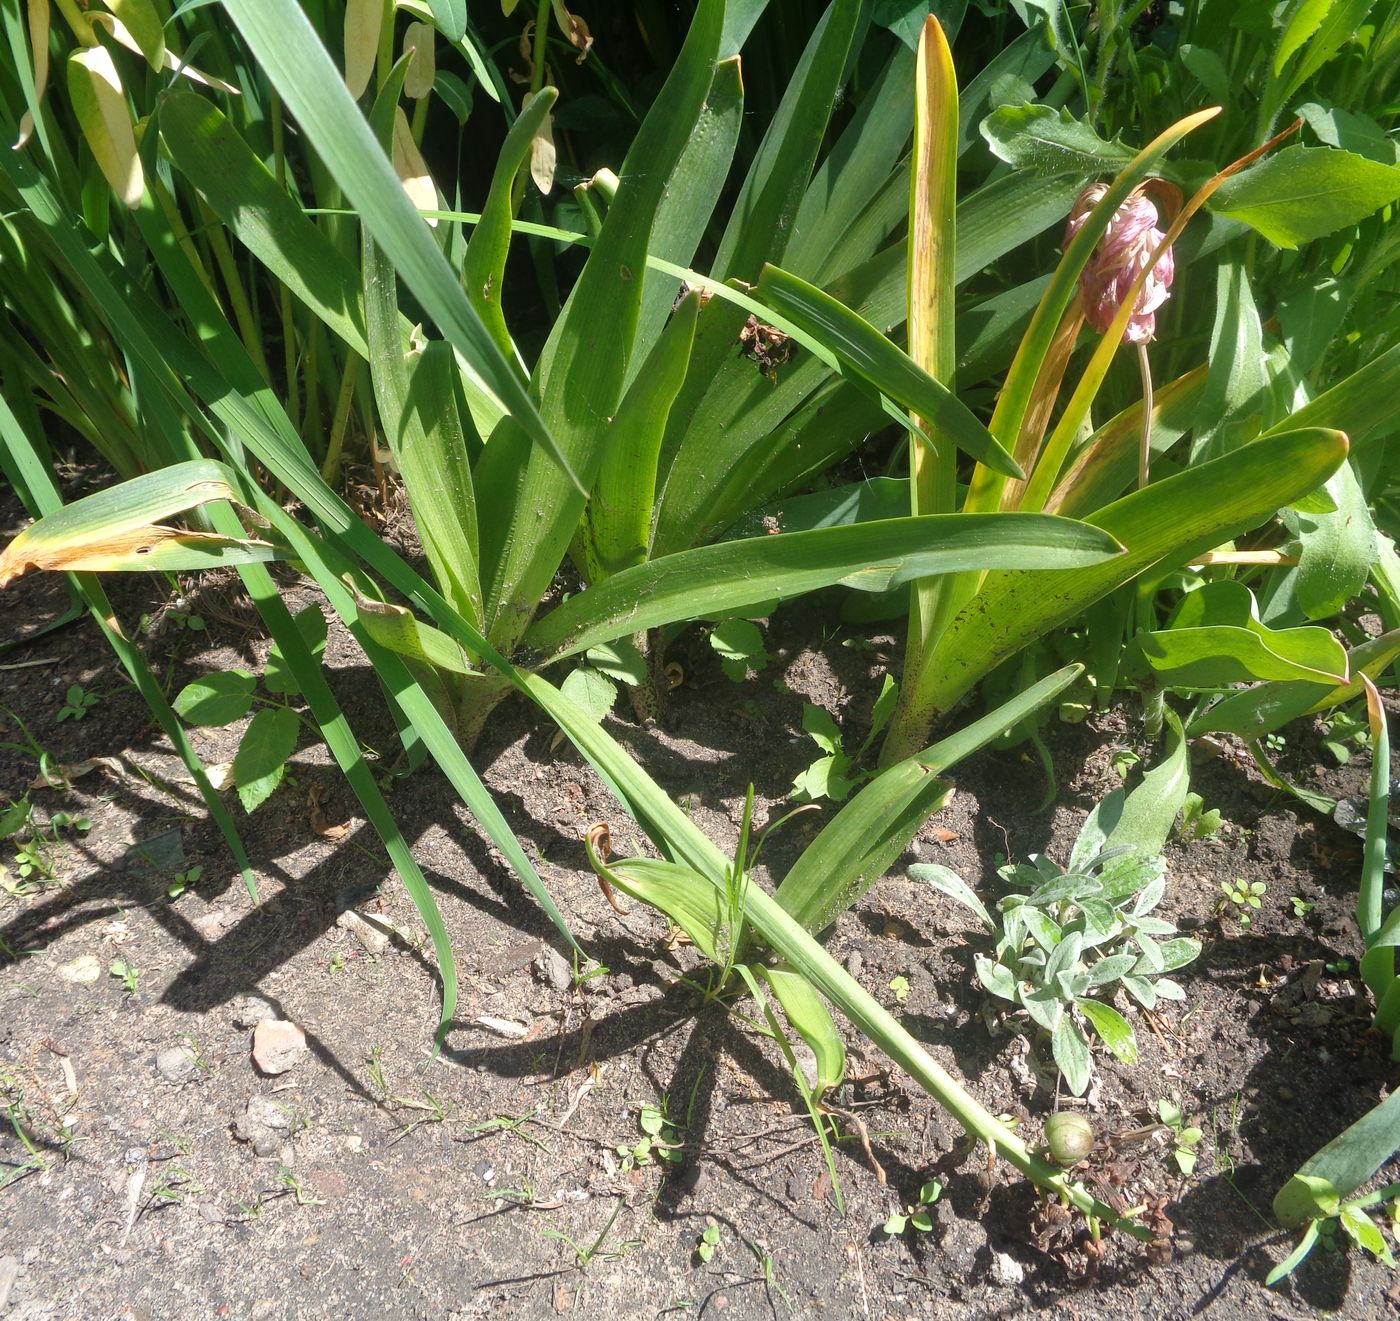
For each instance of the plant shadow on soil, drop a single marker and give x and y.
(442, 1217)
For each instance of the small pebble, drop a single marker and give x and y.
(552, 968)
(250, 1010)
(85, 968)
(176, 1064)
(1006, 1270)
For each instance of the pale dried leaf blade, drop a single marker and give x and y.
(542, 153)
(175, 63)
(39, 44)
(95, 88)
(412, 169)
(422, 69)
(575, 29)
(363, 19)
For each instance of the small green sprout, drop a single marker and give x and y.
(900, 987)
(1301, 907)
(128, 974)
(77, 703)
(709, 1243)
(184, 880)
(1244, 896)
(1185, 1137)
(917, 1212)
(659, 1141)
(1196, 822)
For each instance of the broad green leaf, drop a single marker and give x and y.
(141, 19)
(1232, 401)
(996, 977)
(1178, 953)
(1303, 193)
(1310, 1194)
(95, 88)
(1258, 711)
(594, 692)
(1215, 639)
(874, 360)
(1071, 1054)
(1114, 1030)
(261, 760)
(619, 660)
(1336, 127)
(1362, 1230)
(399, 630)
(618, 522)
(739, 644)
(1337, 550)
(811, 1019)
(1050, 141)
(528, 513)
(827, 777)
(1360, 405)
(414, 388)
(1303, 19)
(1162, 526)
(735, 575)
(451, 17)
(216, 699)
(484, 265)
(298, 66)
(244, 194)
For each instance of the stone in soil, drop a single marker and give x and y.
(250, 1010)
(85, 968)
(265, 1123)
(176, 1064)
(278, 1046)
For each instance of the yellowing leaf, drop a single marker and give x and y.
(419, 39)
(363, 19)
(170, 60)
(39, 43)
(542, 155)
(140, 19)
(100, 104)
(412, 169)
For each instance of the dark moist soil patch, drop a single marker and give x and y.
(393, 1183)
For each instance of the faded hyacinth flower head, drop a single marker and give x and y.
(1122, 253)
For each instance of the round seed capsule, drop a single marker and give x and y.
(1069, 1136)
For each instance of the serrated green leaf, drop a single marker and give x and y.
(261, 760)
(1303, 193)
(619, 660)
(594, 692)
(1050, 141)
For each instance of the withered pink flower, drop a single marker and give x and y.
(1121, 255)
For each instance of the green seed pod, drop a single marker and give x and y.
(1069, 1136)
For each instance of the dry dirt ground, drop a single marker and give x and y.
(153, 1171)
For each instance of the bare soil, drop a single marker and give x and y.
(398, 1184)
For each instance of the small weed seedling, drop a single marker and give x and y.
(77, 702)
(660, 1140)
(739, 645)
(1345, 734)
(836, 772)
(127, 973)
(1196, 822)
(708, 1245)
(1243, 898)
(224, 696)
(184, 880)
(1301, 907)
(595, 1251)
(1356, 1227)
(917, 1213)
(1185, 1137)
(900, 987)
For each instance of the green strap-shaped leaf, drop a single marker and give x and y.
(1162, 526)
(860, 844)
(287, 48)
(872, 557)
(243, 193)
(1342, 1166)
(870, 357)
(528, 514)
(484, 266)
(617, 530)
(414, 388)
